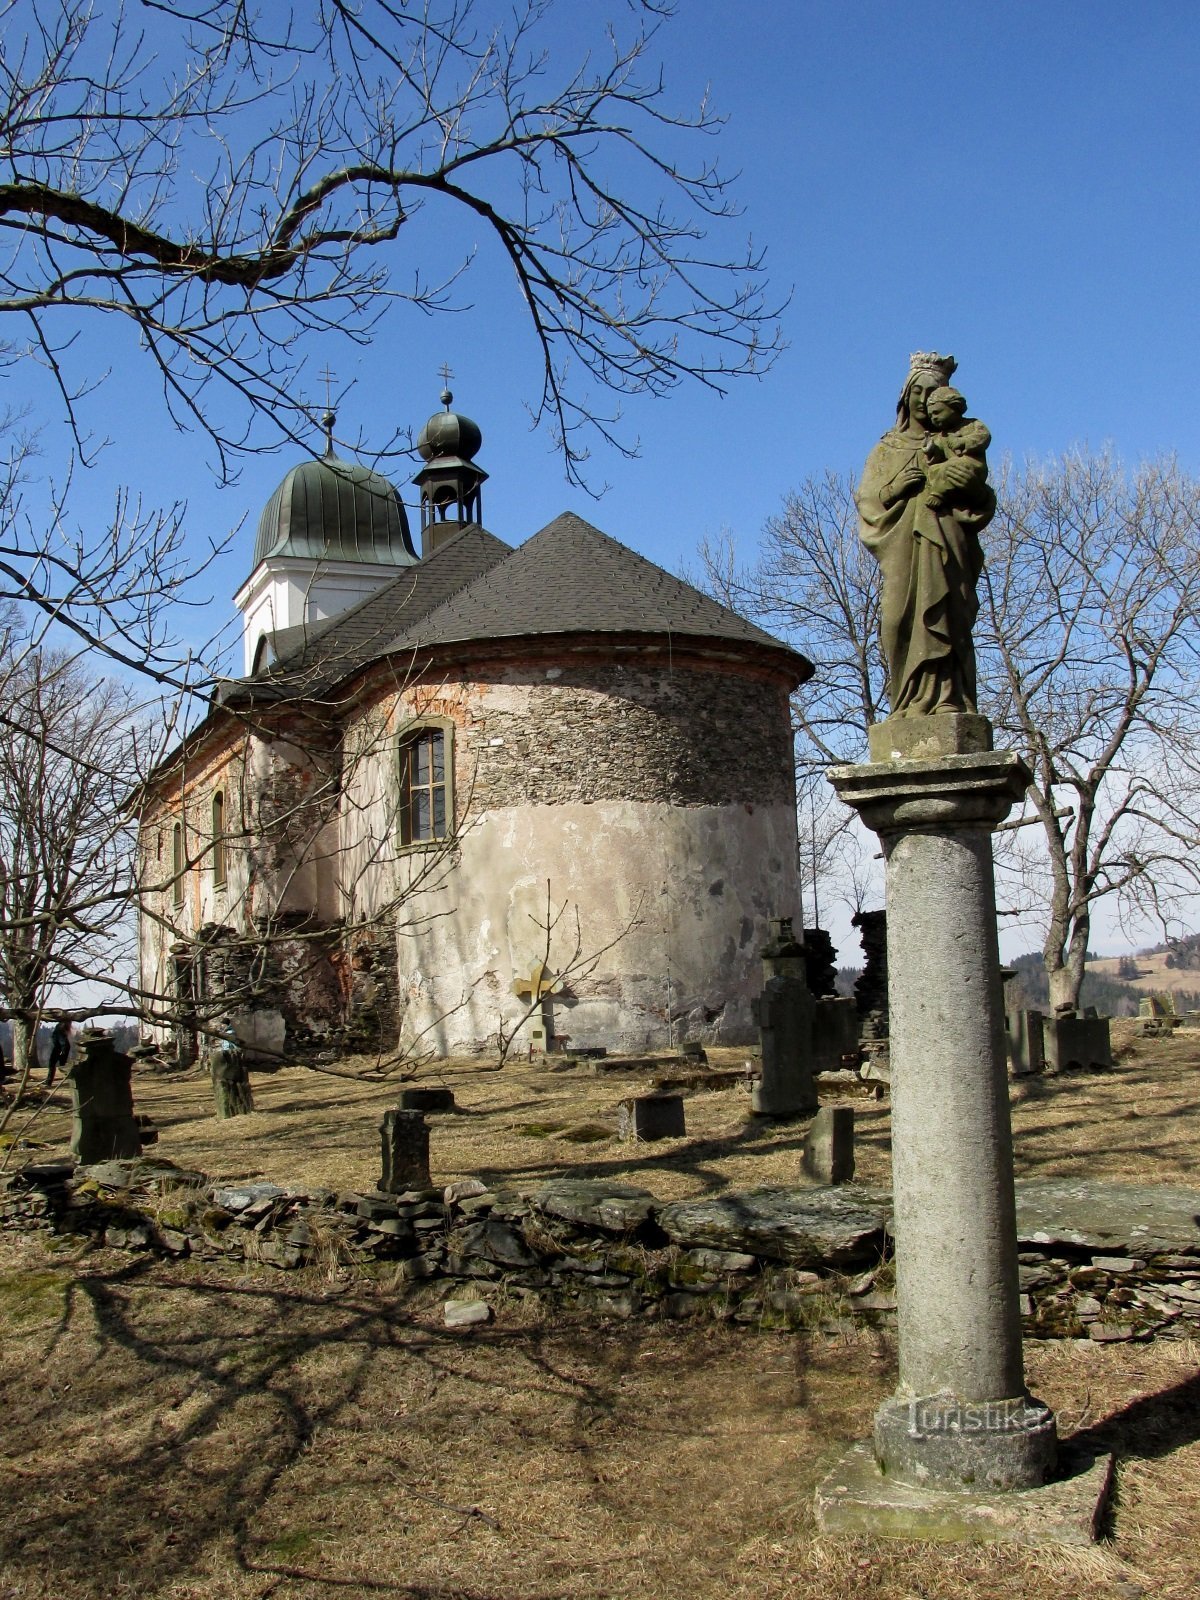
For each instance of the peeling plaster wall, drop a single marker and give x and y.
(685, 893)
(654, 795)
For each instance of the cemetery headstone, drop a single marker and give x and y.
(429, 1099)
(104, 1127)
(405, 1138)
(230, 1078)
(784, 1014)
(651, 1116)
(829, 1148)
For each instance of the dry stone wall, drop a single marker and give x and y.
(1106, 1262)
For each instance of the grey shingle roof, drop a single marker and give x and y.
(571, 578)
(568, 579)
(313, 656)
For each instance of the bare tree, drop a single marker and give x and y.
(65, 846)
(1091, 601)
(224, 182)
(1087, 643)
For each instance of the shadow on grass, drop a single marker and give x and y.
(174, 1422)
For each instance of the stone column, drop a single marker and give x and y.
(961, 1415)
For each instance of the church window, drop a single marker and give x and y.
(425, 790)
(218, 839)
(177, 863)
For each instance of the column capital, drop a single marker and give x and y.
(975, 790)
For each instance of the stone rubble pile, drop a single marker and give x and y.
(815, 1258)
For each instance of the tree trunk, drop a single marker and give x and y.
(24, 1049)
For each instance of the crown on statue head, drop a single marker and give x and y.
(928, 361)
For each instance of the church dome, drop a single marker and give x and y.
(449, 434)
(327, 509)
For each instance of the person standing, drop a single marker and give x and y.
(60, 1048)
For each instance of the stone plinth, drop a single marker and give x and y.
(829, 1149)
(961, 1416)
(405, 1137)
(1077, 1044)
(104, 1127)
(651, 1116)
(1026, 1047)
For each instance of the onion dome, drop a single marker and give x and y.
(449, 434)
(327, 509)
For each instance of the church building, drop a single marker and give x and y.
(478, 796)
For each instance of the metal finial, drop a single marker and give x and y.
(446, 374)
(330, 417)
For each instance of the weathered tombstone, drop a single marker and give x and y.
(651, 1116)
(1026, 1042)
(693, 1050)
(1076, 1043)
(405, 1136)
(784, 1014)
(427, 1099)
(232, 1093)
(961, 1433)
(834, 1032)
(104, 1127)
(829, 1148)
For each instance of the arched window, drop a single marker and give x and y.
(218, 839)
(426, 798)
(178, 861)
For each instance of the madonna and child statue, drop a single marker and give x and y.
(923, 499)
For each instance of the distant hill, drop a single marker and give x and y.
(1155, 972)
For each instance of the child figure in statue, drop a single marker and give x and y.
(959, 437)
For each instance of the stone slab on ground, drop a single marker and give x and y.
(805, 1227)
(596, 1203)
(856, 1498)
(1113, 1218)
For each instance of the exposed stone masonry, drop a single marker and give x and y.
(672, 735)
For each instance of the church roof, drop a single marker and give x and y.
(327, 509)
(571, 578)
(568, 579)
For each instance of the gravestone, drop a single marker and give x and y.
(405, 1138)
(1075, 1043)
(427, 1100)
(784, 1014)
(1025, 1031)
(104, 1127)
(829, 1149)
(834, 1032)
(230, 1079)
(651, 1116)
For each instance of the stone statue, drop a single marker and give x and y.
(923, 499)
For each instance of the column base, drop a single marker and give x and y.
(857, 1498)
(939, 1442)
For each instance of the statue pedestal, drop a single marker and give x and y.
(961, 1418)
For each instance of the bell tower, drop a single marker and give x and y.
(450, 483)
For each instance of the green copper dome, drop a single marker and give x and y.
(332, 510)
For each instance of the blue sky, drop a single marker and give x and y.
(1014, 183)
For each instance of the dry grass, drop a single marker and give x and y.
(175, 1431)
(514, 1127)
(179, 1433)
